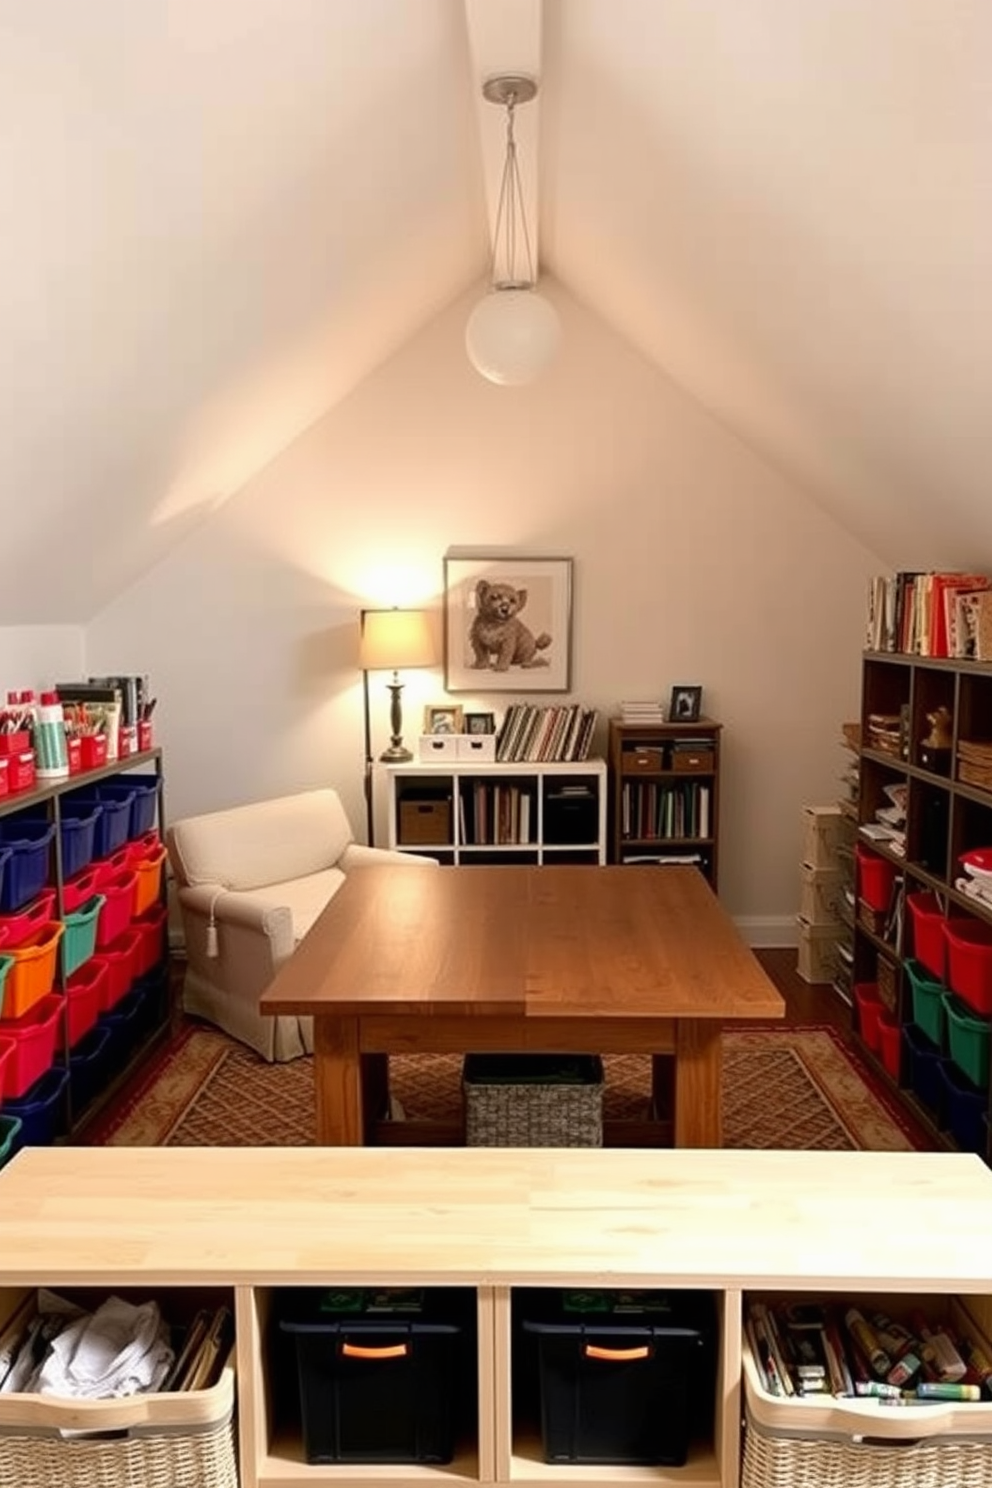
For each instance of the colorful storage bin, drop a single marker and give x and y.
(875, 877)
(33, 972)
(869, 1009)
(41, 1110)
(27, 867)
(79, 941)
(151, 943)
(968, 1040)
(969, 962)
(112, 823)
(117, 910)
(6, 962)
(929, 946)
(35, 1036)
(890, 1042)
(10, 1138)
(141, 794)
(148, 886)
(89, 1068)
(77, 827)
(119, 960)
(7, 1051)
(4, 857)
(15, 929)
(85, 991)
(76, 891)
(928, 1002)
(922, 1060)
(964, 1108)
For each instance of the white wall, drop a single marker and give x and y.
(36, 656)
(694, 562)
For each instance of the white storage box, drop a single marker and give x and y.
(830, 1442)
(818, 951)
(823, 832)
(438, 747)
(478, 747)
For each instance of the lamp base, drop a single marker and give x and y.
(396, 755)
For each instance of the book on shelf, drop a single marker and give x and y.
(556, 734)
(934, 613)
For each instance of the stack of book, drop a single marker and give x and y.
(885, 733)
(975, 763)
(642, 712)
(535, 735)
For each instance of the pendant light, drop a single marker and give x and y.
(513, 332)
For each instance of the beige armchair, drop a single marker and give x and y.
(250, 882)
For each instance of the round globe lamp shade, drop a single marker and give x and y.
(511, 335)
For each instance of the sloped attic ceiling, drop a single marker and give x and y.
(222, 214)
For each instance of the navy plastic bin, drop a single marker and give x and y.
(964, 1108)
(125, 1024)
(112, 824)
(4, 855)
(142, 792)
(153, 1007)
(41, 1110)
(77, 833)
(27, 867)
(922, 1067)
(90, 1066)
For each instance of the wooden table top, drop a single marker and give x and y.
(512, 941)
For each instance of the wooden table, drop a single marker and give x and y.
(569, 959)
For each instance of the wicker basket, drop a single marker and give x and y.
(179, 1440)
(833, 1443)
(533, 1100)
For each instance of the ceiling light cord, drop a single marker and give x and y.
(509, 208)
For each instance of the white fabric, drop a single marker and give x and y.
(303, 897)
(265, 842)
(118, 1350)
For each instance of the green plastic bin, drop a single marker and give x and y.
(928, 1003)
(968, 1040)
(10, 1131)
(6, 962)
(79, 940)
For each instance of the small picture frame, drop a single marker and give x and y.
(443, 718)
(685, 704)
(480, 723)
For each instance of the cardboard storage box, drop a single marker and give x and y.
(823, 833)
(821, 892)
(818, 951)
(425, 818)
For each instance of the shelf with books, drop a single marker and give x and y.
(664, 793)
(917, 884)
(471, 812)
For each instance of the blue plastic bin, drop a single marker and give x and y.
(125, 1024)
(142, 792)
(10, 1138)
(90, 1065)
(41, 1110)
(922, 1061)
(964, 1108)
(4, 855)
(27, 868)
(77, 833)
(113, 822)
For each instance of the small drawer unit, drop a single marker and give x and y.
(647, 761)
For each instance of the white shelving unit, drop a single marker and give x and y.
(467, 812)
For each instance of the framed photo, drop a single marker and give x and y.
(685, 704)
(443, 718)
(507, 624)
(480, 723)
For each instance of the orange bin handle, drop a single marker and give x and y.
(363, 1351)
(596, 1351)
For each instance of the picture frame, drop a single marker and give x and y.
(685, 704)
(497, 641)
(480, 723)
(443, 718)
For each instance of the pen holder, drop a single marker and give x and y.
(144, 734)
(127, 740)
(93, 751)
(74, 754)
(11, 744)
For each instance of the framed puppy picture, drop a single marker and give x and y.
(507, 624)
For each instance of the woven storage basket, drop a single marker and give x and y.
(180, 1440)
(533, 1100)
(856, 1444)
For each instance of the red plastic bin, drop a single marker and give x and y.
(890, 1042)
(969, 962)
(869, 1012)
(929, 945)
(108, 867)
(76, 891)
(15, 929)
(151, 948)
(7, 1051)
(85, 991)
(118, 959)
(875, 879)
(34, 1037)
(118, 910)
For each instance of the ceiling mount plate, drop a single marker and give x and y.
(512, 88)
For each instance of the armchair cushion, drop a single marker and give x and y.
(267, 842)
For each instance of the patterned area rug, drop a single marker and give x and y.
(794, 1089)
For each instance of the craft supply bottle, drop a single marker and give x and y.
(51, 755)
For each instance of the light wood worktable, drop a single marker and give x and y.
(560, 959)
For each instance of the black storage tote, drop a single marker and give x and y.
(377, 1375)
(624, 1376)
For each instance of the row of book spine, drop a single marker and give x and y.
(940, 614)
(666, 812)
(495, 815)
(536, 735)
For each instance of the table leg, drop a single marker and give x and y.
(337, 1068)
(698, 1093)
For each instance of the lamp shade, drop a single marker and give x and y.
(395, 639)
(511, 335)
